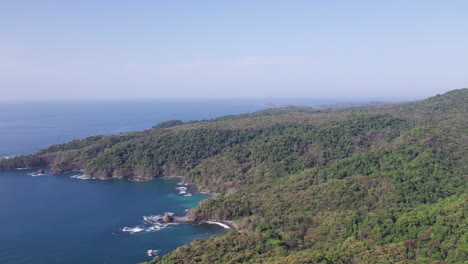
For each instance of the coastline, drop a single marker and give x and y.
(228, 224)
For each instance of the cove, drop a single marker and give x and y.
(60, 219)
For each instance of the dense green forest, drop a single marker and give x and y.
(378, 184)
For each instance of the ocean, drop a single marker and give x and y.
(63, 219)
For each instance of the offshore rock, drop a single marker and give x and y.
(167, 218)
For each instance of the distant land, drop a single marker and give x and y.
(329, 106)
(366, 183)
(348, 105)
(272, 105)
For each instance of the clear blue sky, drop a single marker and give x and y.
(216, 49)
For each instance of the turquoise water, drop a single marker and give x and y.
(58, 219)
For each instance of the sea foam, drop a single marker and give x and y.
(132, 230)
(151, 223)
(182, 190)
(81, 177)
(152, 252)
(35, 174)
(152, 219)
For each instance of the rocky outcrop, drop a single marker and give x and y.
(167, 218)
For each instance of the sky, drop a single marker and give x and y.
(55, 50)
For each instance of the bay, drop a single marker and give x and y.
(59, 219)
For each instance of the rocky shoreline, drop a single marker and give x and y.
(224, 223)
(186, 219)
(190, 219)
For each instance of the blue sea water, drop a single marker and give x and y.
(59, 219)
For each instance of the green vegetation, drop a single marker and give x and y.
(380, 184)
(169, 123)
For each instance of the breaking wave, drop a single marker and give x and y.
(152, 219)
(183, 191)
(152, 252)
(81, 177)
(36, 174)
(150, 223)
(132, 230)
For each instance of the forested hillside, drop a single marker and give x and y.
(379, 184)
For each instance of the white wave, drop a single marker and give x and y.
(188, 194)
(153, 228)
(148, 229)
(182, 190)
(152, 252)
(218, 223)
(81, 177)
(169, 224)
(152, 219)
(159, 227)
(132, 229)
(151, 223)
(36, 174)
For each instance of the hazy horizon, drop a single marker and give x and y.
(259, 100)
(114, 50)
